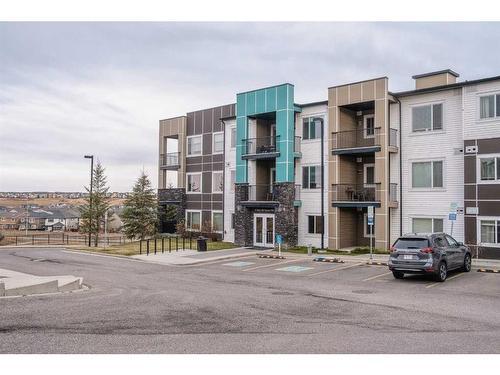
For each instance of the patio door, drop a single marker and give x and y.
(263, 230)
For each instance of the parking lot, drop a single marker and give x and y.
(246, 305)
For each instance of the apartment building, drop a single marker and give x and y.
(267, 166)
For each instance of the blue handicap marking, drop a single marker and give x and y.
(294, 269)
(238, 264)
(279, 239)
(452, 216)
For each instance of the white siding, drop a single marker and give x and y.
(229, 164)
(311, 198)
(394, 215)
(476, 128)
(443, 145)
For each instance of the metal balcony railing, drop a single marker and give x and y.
(356, 138)
(261, 193)
(263, 145)
(298, 141)
(171, 159)
(393, 137)
(297, 192)
(355, 193)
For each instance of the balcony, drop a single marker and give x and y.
(261, 195)
(170, 161)
(355, 195)
(357, 141)
(261, 148)
(297, 151)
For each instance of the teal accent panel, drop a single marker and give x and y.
(278, 99)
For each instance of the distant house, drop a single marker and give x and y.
(55, 227)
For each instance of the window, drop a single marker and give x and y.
(312, 127)
(427, 225)
(233, 180)
(490, 231)
(367, 231)
(427, 117)
(194, 145)
(233, 137)
(369, 126)
(369, 175)
(489, 168)
(489, 106)
(427, 174)
(217, 225)
(451, 241)
(314, 224)
(217, 182)
(193, 182)
(193, 220)
(218, 143)
(311, 177)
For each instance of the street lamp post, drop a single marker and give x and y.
(91, 157)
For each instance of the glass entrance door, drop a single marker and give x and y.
(263, 230)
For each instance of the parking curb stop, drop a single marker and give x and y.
(330, 260)
(488, 270)
(271, 256)
(377, 263)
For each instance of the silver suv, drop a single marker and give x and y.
(434, 254)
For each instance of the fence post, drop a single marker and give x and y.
(190, 241)
(33, 240)
(183, 246)
(177, 243)
(155, 245)
(169, 244)
(162, 244)
(140, 247)
(48, 238)
(16, 240)
(147, 246)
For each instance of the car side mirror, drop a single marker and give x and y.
(460, 244)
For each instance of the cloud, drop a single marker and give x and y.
(68, 89)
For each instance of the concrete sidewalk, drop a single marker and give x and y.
(14, 283)
(190, 257)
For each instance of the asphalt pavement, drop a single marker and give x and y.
(246, 305)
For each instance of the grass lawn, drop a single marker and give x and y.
(133, 248)
(356, 251)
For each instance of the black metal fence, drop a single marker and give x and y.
(60, 239)
(355, 193)
(167, 244)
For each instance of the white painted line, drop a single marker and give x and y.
(273, 264)
(376, 277)
(449, 278)
(335, 269)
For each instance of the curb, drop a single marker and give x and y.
(488, 270)
(271, 256)
(330, 260)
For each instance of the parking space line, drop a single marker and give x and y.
(334, 269)
(273, 265)
(376, 277)
(449, 278)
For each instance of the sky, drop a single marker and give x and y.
(70, 89)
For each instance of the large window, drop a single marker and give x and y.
(193, 220)
(489, 168)
(369, 126)
(427, 117)
(490, 231)
(193, 182)
(194, 145)
(233, 137)
(217, 225)
(311, 177)
(369, 175)
(489, 106)
(218, 143)
(427, 174)
(427, 225)
(217, 182)
(312, 127)
(314, 224)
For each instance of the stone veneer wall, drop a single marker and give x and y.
(174, 196)
(286, 215)
(243, 217)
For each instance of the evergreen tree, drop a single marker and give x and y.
(140, 215)
(100, 204)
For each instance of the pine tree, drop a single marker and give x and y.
(100, 204)
(140, 215)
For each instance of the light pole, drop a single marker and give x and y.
(91, 157)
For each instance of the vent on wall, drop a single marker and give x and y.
(471, 149)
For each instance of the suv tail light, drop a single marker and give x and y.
(426, 250)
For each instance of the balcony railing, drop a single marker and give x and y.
(261, 146)
(261, 193)
(170, 160)
(359, 138)
(298, 141)
(393, 137)
(355, 193)
(297, 192)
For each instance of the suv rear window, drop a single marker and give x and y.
(411, 243)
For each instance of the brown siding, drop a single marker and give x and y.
(488, 146)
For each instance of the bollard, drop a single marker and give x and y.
(162, 244)
(140, 247)
(309, 250)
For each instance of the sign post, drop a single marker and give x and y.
(279, 240)
(452, 216)
(370, 224)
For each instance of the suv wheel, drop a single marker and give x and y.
(442, 272)
(467, 263)
(398, 275)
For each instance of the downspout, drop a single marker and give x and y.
(322, 187)
(223, 180)
(400, 171)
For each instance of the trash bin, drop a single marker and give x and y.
(202, 243)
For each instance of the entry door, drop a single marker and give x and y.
(263, 234)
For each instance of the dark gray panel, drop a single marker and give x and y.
(193, 197)
(193, 205)
(198, 122)
(207, 167)
(470, 230)
(193, 168)
(488, 208)
(469, 191)
(469, 169)
(207, 144)
(488, 191)
(488, 146)
(217, 197)
(190, 124)
(217, 206)
(206, 183)
(206, 205)
(218, 158)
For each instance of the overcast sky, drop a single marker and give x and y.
(69, 89)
